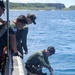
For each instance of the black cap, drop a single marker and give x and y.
(2, 4)
(22, 19)
(32, 17)
(51, 49)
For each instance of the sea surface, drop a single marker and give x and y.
(53, 28)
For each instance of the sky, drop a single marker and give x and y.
(67, 3)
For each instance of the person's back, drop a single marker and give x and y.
(37, 57)
(34, 62)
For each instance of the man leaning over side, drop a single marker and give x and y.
(21, 35)
(19, 23)
(38, 60)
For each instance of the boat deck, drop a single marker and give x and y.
(18, 66)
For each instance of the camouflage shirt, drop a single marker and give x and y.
(39, 58)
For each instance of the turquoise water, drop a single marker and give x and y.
(56, 28)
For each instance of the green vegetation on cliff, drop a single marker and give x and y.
(37, 6)
(72, 7)
(40, 6)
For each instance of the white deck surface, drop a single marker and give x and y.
(18, 66)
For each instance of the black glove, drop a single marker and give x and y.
(17, 54)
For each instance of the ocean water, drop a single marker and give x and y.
(53, 28)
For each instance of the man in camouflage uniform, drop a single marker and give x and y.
(38, 60)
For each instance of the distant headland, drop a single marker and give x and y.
(40, 6)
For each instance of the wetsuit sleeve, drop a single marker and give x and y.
(24, 38)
